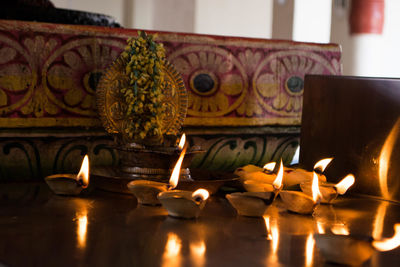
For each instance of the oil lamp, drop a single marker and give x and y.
(299, 176)
(182, 203)
(300, 202)
(70, 184)
(265, 183)
(146, 191)
(329, 192)
(254, 204)
(354, 250)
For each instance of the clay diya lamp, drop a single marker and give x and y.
(146, 191)
(181, 203)
(330, 192)
(353, 250)
(254, 204)
(299, 176)
(265, 181)
(184, 204)
(70, 184)
(300, 202)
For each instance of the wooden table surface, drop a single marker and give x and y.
(38, 228)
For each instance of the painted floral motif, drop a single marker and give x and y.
(215, 80)
(279, 81)
(80, 68)
(17, 76)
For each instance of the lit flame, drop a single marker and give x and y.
(200, 193)
(345, 184)
(182, 141)
(322, 164)
(83, 174)
(81, 231)
(173, 181)
(171, 256)
(340, 229)
(270, 166)
(197, 252)
(309, 250)
(278, 180)
(389, 243)
(316, 194)
(384, 159)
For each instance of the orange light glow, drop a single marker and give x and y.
(272, 233)
(310, 243)
(384, 159)
(380, 220)
(171, 255)
(345, 184)
(81, 230)
(316, 194)
(182, 141)
(320, 227)
(389, 243)
(278, 180)
(197, 253)
(83, 174)
(267, 227)
(200, 193)
(322, 164)
(270, 166)
(340, 229)
(173, 181)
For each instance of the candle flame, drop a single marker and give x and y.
(278, 180)
(309, 250)
(83, 174)
(322, 164)
(270, 166)
(345, 184)
(173, 181)
(389, 243)
(182, 141)
(316, 194)
(340, 229)
(200, 193)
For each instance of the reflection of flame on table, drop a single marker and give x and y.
(82, 222)
(384, 159)
(273, 235)
(197, 253)
(310, 243)
(171, 256)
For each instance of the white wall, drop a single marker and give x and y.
(369, 54)
(312, 21)
(250, 18)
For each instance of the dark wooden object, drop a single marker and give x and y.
(351, 118)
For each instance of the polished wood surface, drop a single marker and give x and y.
(38, 228)
(356, 120)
